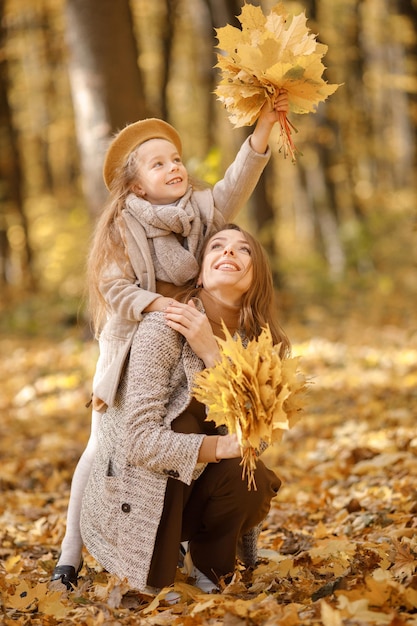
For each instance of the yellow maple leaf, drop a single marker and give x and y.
(26, 597)
(266, 55)
(405, 561)
(53, 604)
(251, 390)
(359, 610)
(330, 616)
(13, 564)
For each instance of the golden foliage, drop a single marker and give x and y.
(251, 390)
(339, 544)
(269, 54)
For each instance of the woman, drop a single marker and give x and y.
(147, 243)
(163, 474)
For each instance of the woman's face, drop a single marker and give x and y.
(226, 270)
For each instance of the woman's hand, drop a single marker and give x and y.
(228, 447)
(194, 325)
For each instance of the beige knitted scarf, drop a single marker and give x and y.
(174, 263)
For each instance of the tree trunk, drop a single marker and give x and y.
(15, 260)
(167, 43)
(409, 9)
(105, 82)
(222, 13)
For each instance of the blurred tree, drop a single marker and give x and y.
(221, 12)
(106, 82)
(15, 251)
(167, 40)
(261, 206)
(133, 58)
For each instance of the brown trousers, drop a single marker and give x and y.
(211, 513)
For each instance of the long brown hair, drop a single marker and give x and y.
(108, 243)
(259, 306)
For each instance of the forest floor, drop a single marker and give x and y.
(339, 546)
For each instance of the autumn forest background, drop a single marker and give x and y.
(339, 224)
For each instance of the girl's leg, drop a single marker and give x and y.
(72, 543)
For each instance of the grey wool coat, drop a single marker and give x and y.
(128, 291)
(138, 452)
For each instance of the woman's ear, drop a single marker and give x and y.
(199, 282)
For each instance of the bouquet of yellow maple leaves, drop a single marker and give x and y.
(254, 392)
(269, 54)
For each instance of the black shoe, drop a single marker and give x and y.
(67, 575)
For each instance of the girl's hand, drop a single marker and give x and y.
(159, 304)
(270, 111)
(195, 327)
(270, 114)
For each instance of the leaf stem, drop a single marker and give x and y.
(287, 143)
(248, 464)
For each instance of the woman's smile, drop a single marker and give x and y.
(227, 265)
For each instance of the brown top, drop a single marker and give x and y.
(215, 311)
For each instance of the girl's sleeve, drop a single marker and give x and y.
(123, 294)
(241, 177)
(154, 363)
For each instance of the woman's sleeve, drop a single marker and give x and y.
(155, 364)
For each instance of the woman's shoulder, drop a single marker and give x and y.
(154, 330)
(152, 320)
(155, 346)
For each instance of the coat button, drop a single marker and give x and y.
(172, 473)
(126, 507)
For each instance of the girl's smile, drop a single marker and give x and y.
(162, 176)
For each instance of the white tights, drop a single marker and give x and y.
(72, 543)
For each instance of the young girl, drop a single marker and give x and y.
(162, 474)
(146, 245)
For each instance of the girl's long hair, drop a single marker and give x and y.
(259, 303)
(108, 242)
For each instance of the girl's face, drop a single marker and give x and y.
(162, 177)
(227, 270)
